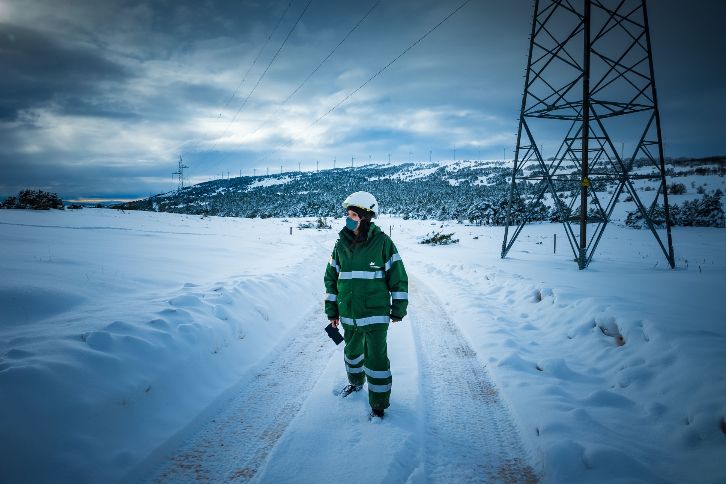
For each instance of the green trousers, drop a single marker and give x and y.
(366, 356)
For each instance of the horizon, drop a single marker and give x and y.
(124, 198)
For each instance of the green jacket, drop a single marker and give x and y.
(366, 285)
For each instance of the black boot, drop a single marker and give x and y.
(375, 412)
(350, 389)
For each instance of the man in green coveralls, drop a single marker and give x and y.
(367, 287)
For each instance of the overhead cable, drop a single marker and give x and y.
(378, 73)
(381, 70)
(262, 49)
(259, 80)
(279, 21)
(273, 58)
(312, 73)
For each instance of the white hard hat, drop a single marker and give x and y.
(363, 200)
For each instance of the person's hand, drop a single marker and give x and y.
(395, 320)
(335, 322)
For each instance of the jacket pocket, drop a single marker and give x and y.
(378, 302)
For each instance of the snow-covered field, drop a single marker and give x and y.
(145, 347)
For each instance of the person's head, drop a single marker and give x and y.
(360, 208)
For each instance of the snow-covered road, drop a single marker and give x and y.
(446, 422)
(470, 436)
(231, 441)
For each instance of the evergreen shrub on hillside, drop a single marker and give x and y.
(322, 223)
(33, 199)
(706, 212)
(439, 238)
(677, 189)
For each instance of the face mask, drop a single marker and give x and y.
(350, 223)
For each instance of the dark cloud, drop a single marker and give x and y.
(83, 105)
(78, 180)
(38, 69)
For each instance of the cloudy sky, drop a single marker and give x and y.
(99, 98)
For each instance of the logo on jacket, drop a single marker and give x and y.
(373, 265)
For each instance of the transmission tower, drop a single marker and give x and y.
(589, 81)
(180, 173)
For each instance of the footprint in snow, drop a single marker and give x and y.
(221, 313)
(159, 323)
(185, 301)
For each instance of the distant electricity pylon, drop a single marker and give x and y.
(180, 173)
(589, 80)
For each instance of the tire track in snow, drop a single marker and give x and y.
(234, 444)
(469, 435)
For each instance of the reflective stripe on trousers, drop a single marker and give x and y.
(379, 388)
(365, 321)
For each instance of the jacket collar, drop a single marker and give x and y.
(348, 234)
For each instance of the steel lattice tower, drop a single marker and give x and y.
(180, 173)
(589, 85)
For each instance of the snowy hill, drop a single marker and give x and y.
(412, 190)
(474, 191)
(157, 347)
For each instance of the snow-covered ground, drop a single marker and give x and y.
(159, 347)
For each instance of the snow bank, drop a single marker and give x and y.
(614, 372)
(117, 329)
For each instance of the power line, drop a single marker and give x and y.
(289, 33)
(333, 51)
(259, 80)
(380, 71)
(405, 51)
(312, 73)
(279, 21)
(262, 49)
